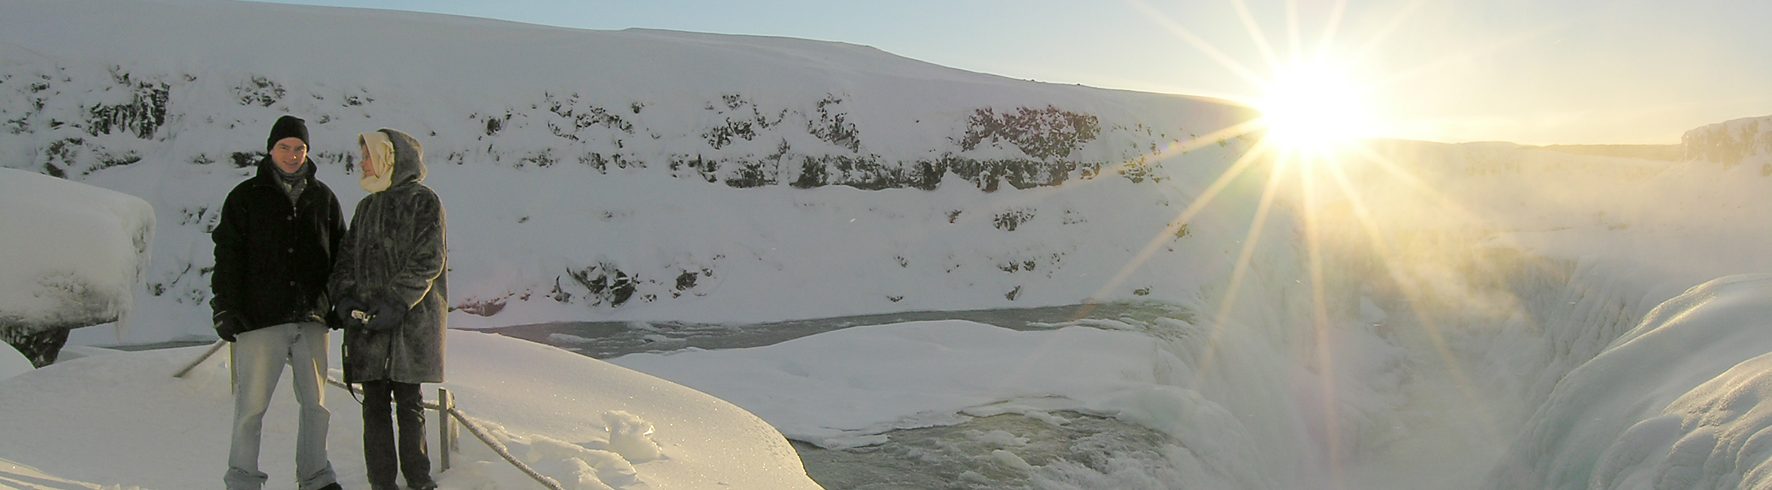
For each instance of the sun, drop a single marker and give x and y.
(1315, 110)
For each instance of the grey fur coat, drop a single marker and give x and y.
(395, 251)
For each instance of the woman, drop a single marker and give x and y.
(390, 276)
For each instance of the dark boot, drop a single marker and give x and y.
(378, 435)
(415, 460)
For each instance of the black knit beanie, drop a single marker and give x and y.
(287, 127)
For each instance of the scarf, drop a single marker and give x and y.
(293, 184)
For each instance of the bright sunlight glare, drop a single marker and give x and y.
(1312, 110)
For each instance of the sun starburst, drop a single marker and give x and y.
(1319, 110)
(1314, 110)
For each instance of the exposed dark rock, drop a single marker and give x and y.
(1043, 133)
(1009, 220)
(244, 159)
(1140, 170)
(606, 284)
(259, 91)
(754, 174)
(40, 347)
(141, 117)
(61, 155)
(482, 307)
(834, 128)
(745, 127)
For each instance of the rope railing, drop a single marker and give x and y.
(446, 405)
(503, 451)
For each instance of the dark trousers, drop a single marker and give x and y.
(379, 450)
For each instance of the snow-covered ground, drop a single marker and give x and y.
(113, 418)
(1496, 290)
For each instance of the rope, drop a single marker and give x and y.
(480, 433)
(472, 426)
(503, 451)
(199, 360)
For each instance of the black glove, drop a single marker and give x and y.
(227, 325)
(342, 311)
(387, 315)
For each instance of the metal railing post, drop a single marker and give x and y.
(444, 404)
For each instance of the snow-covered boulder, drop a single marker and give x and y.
(1731, 142)
(70, 256)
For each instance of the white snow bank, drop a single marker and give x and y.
(1672, 404)
(12, 363)
(122, 419)
(845, 388)
(70, 253)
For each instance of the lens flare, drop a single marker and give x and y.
(1314, 110)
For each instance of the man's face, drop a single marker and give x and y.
(289, 154)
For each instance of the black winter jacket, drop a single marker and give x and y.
(272, 259)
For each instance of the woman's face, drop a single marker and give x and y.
(368, 167)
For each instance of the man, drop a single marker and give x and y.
(274, 250)
(393, 297)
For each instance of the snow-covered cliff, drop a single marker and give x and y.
(626, 174)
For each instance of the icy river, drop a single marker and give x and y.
(948, 456)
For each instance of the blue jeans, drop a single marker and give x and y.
(259, 356)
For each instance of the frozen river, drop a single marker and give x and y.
(950, 456)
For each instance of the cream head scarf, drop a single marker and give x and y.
(378, 164)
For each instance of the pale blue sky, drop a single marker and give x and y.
(1582, 71)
